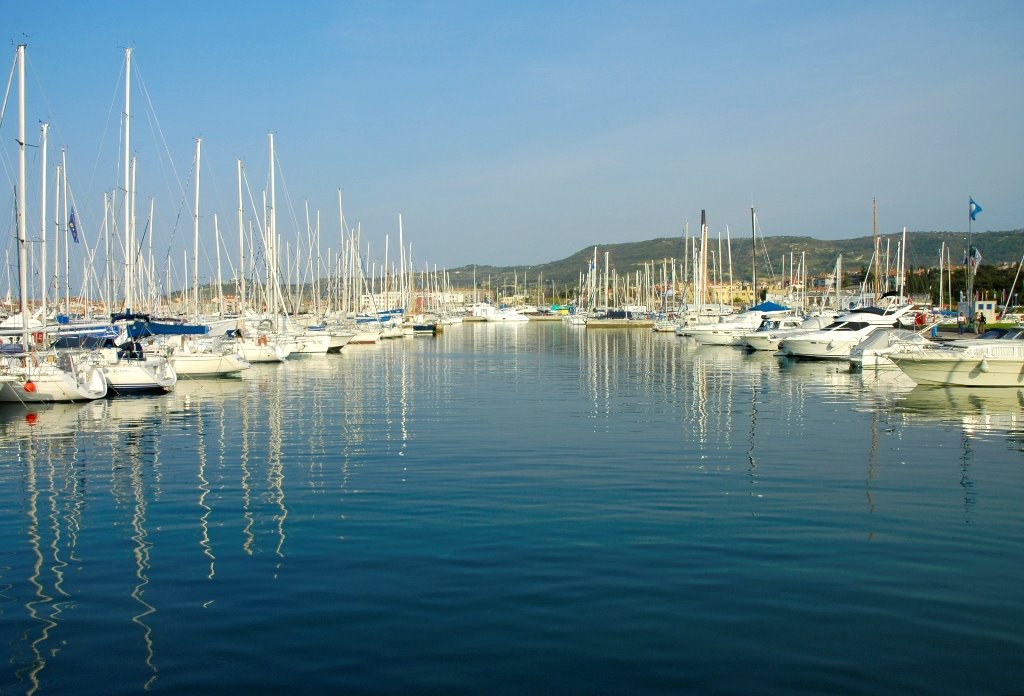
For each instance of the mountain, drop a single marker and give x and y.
(997, 248)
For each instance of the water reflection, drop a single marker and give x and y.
(155, 512)
(100, 467)
(979, 412)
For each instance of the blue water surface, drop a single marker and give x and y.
(518, 508)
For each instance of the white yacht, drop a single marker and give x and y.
(770, 338)
(978, 362)
(204, 356)
(873, 352)
(729, 330)
(51, 377)
(837, 340)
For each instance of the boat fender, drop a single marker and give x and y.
(29, 386)
(984, 366)
(262, 341)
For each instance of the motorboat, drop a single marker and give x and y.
(771, 338)
(837, 340)
(978, 362)
(730, 330)
(873, 352)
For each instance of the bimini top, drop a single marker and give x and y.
(768, 307)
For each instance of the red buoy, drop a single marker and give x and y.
(30, 386)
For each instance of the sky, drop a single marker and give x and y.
(520, 133)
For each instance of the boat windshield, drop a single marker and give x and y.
(846, 326)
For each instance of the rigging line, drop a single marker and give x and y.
(764, 249)
(106, 130)
(152, 115)
(7, 92)
(174, 230)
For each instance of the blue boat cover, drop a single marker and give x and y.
(768, 307)
(138, 329)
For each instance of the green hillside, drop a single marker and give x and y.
(997, 248)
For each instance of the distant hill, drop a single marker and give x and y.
(996, 248)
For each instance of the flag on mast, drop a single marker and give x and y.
(975, 209)
(973, 258)
(73, 226)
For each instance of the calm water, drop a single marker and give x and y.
(515, 509)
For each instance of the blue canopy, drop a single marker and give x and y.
(768, 307)
(138, 329)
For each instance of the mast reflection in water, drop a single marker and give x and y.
(517, 507)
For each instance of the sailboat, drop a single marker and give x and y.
(26, 375)
(189, 349)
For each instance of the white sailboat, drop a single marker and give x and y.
(28, 376)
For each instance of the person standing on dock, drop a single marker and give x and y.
(961, 321)
(981, 323)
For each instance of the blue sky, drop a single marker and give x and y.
(518, 133)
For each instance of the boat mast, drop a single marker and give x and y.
(67, 249)
(701, 271)
(874, 226)
(220, 281)
(240, 304)
(753, 256)
(22, 238)
(129, 289)
(42, 221)
(195, 232)
(967, 265)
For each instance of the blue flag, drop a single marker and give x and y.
(72, 227)
(975, 209)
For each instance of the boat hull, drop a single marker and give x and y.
(818, 348)
(211, 365)
(962, 371)
(53, 386)
(139, 378)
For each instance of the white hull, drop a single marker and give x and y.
(722, 337)
(312, 342)
(820, 347)
(139, 377)
(985, 363)
(49, 383)
(964, 372)
(508, 316)
(262, 352)
(339, 340)
(366, 338)
(208, 365)
(837, 341)
(873, 352)
(763, 341)
(872, 361)
(772, 339)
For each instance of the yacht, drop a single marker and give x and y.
(730, 330)
(837, 340)
(51, 377)
(770, 338)
(873, 352)
(978, 362)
